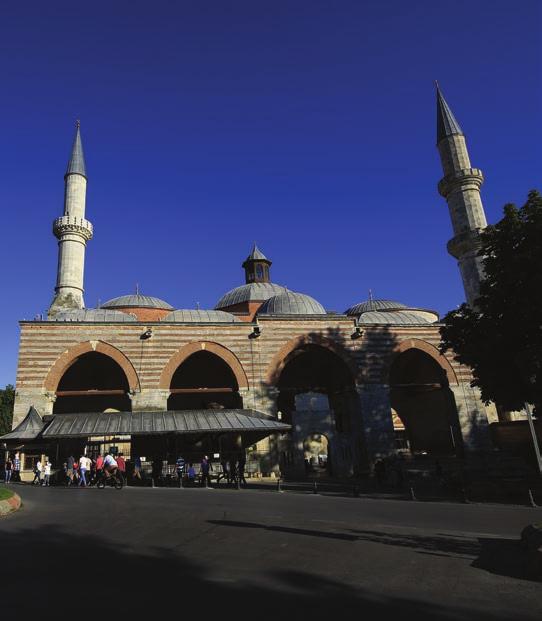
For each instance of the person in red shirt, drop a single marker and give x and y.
(121, 465)
(99, 463)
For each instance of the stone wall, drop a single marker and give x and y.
(261, 360)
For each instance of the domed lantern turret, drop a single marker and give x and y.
(256, 266)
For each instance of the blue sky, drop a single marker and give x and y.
(306, 126)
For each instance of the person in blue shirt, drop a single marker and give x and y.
(179, 466)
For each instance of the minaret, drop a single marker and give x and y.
(73, 232)
(460, 186)
(256, 266)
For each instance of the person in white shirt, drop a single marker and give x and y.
(37, 473)
(84, 466)
(46, 473)
(110, 465)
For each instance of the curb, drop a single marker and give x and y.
(10, 504)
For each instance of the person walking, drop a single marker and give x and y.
(46, 473)
(205, 468)
(225, 469)
(38, 467)
(99, 465)
(69, 469)
(84, 467)
(121, 465)
(191, 474)
(241, 463)
(137, 468)
(179, 466)
(8, 468)
(17, 467)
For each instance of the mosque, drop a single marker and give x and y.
(268, 371)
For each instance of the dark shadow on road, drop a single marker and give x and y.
(286, 529)
(52, 572)
(499, 556)
(503, 557)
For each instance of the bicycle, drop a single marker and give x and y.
(113, 480)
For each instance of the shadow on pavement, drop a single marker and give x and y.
(51, 571)
(500, 556)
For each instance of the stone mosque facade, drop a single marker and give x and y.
(268, 371)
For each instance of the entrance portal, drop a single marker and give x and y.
(424, 403)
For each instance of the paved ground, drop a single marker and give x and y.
(260, 554)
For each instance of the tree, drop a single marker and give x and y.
(7, 398)
(501, 338)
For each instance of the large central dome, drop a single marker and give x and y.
(251, 292)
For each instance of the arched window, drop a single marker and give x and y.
(93, 383)
(204, 380)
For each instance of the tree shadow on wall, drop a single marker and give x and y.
(367, 353)
(57, 572)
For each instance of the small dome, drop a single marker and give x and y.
(199, 316)
(374, 305)
(401, 317)
(252, 292)
(137, 301)
(390, 312)
(292, 303)
(93, 315)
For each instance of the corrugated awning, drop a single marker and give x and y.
(28, 429)
(179, 421)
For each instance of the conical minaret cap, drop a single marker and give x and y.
(76, 165)
(447, 124)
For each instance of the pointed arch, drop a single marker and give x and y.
(210, 346)
(279, 360)
(430, 350)
(66, 359)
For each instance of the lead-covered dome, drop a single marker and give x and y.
(292, 303)
(390, 312)
(251, 292)
(374, 305)
(93, 315)
(137, 301)
(199, 316)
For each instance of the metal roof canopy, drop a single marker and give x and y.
(152, 423)
(28, 429)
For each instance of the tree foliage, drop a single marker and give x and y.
(7, 398)
(501, 339)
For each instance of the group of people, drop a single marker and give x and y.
(12, 468)
(85, 471)
(232, 470)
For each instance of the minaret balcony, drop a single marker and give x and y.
(466, 242)
(71, 225)
(459, 179)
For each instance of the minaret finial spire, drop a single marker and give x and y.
(447, 124)
(76, 165)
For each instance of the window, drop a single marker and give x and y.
(259, 271)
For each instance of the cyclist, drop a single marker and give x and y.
(110, 465)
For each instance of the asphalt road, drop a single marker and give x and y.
(260, 554)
